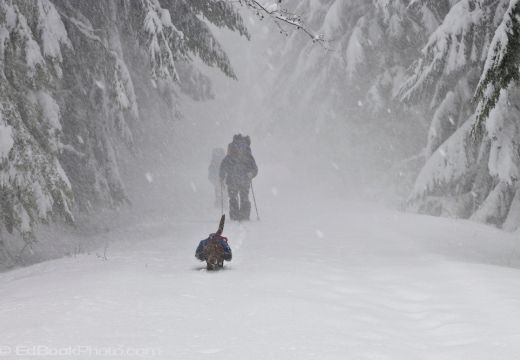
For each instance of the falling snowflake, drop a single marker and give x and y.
(450, 119)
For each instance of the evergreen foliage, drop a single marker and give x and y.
(69, 110)
(502, 65)
(436, 57)
(471, 158)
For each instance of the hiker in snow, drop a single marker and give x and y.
(215, 249)
(213, 174)
(238, 170)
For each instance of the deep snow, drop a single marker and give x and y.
(314, 279)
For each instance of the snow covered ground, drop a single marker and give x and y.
(314, 279)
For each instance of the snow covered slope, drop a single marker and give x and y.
(315, 279)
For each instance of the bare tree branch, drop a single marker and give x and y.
(281, 16)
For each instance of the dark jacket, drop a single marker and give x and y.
(238, 169)
(200, 253)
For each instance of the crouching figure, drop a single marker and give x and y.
(215, 249)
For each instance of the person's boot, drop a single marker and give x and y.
(212, 263)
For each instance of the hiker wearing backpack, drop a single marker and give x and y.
(215, 249)
(238, 170)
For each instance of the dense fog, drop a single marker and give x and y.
(328, 152)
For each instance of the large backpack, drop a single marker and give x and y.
(214, 251)
(242, 144)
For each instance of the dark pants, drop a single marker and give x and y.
(239, 205)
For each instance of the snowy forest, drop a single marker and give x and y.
(110, 110)
(440, 73)
(71, 113)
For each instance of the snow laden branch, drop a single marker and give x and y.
(281, 16)
(502, 66)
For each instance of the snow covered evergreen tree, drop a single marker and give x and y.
(344, 92)
(69, 107)
(502, 66)
(33, 185)
(435, 56)
(465, 175)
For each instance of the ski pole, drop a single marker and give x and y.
(222, 195)
(254, 200)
